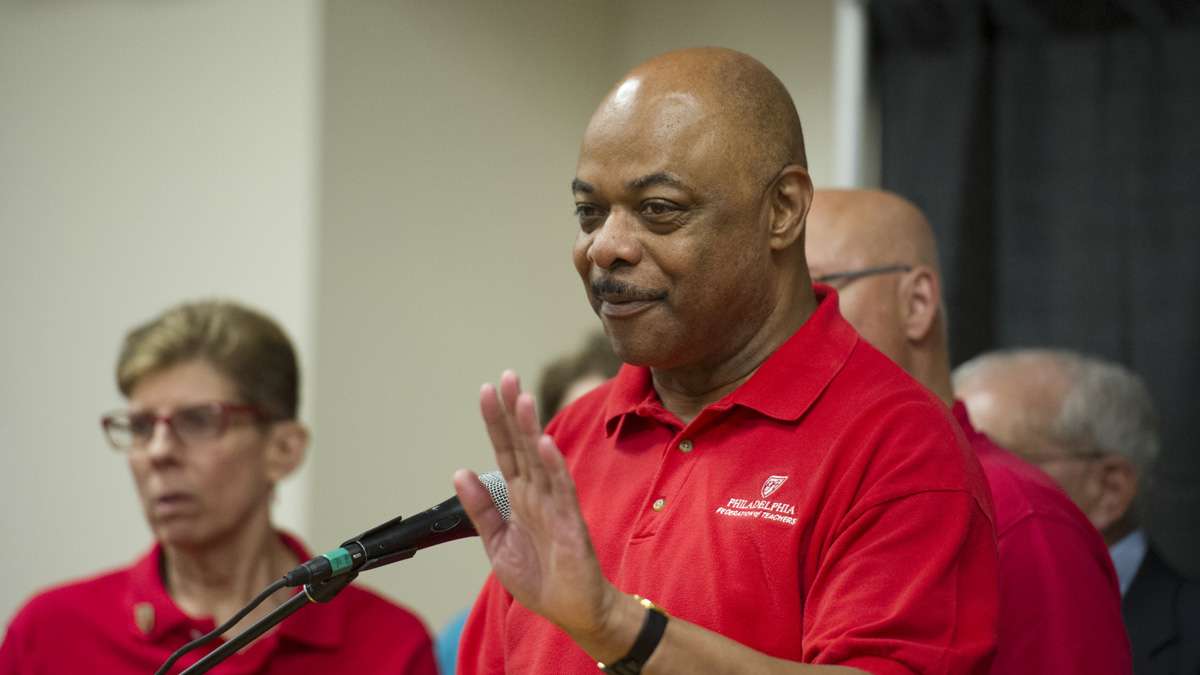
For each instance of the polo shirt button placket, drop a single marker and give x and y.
(659, 504)
(685, 446)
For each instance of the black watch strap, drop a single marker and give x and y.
(647, 640)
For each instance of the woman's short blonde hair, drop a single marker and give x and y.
(242, 344)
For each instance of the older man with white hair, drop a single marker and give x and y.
(1091, 425)
(1087, 423)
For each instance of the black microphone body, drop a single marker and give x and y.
(400, 538)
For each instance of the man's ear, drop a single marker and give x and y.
(1117, 482)
(920, 302)
(790, 198)
(286, 445)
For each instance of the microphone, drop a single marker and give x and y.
(400, 538)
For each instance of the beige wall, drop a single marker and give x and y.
(390, 179)
(149, 152)
(794, 38)
(450, 135)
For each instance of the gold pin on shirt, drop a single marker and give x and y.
(143, 616)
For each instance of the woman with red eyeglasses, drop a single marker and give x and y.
(210, 429)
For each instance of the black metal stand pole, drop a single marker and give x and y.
(321, 592)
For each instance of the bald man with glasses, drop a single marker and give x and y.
(1059, 606)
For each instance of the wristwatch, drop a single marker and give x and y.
(647, 639)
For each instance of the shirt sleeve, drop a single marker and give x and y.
(481, 649)
(906, 576)
(909, 587)
(1061, 608)
(16, 650)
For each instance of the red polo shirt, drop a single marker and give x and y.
(827, 511)
(124, 622)
(1060, 606)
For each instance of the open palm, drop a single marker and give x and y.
(543, 556)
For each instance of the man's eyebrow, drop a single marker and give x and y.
(660, 178)
(641, 183)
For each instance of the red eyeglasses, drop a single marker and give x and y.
(127, 430)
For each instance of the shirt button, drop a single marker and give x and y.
(685, 445)
(659, 504)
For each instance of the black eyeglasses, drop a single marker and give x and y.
(1054, 458)
(843, 279)
(134, 430)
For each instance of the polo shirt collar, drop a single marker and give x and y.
(318, 627)
(803, 366)
(632, 393)
(959, 409)
(151, 612)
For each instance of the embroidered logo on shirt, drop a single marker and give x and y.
(762, 509)
(772, 484)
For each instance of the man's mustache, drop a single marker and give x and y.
(607, 288)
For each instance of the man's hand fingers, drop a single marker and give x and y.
(555, 468)
(478, 504)
(508, 391)
(498, 432)
(529, 431)
(510, 388)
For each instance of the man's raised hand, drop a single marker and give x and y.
(543, 556)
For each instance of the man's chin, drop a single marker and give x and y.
(639, 348)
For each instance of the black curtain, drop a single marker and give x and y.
(1056, 148)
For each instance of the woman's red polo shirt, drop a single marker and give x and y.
(125, 623)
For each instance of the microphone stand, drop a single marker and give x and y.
(322, 591)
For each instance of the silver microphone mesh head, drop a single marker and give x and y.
(494, 482)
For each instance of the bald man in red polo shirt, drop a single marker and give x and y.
(1060, 609)
(783, 497)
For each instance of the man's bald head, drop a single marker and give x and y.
(859, 227)
(878, 250)
(746, 115)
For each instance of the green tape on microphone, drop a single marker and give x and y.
(339, 559)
